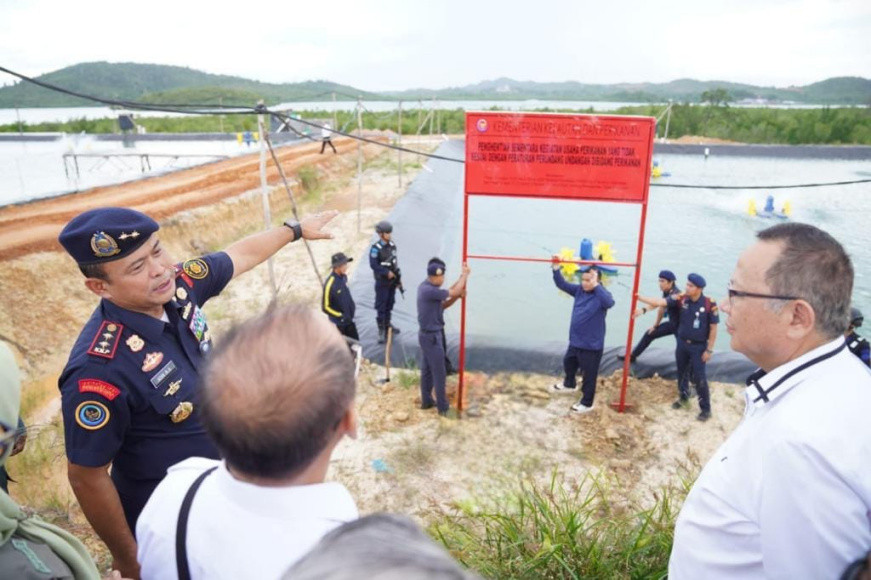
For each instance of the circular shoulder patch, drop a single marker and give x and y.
(196, 268)
(92, 415)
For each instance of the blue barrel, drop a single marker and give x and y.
(586, 250)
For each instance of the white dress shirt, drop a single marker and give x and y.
(236, 529)
(788, 495)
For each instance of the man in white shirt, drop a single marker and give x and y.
(277, 397)
(788, 495)
(327, 137)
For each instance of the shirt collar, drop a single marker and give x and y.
(148, 326)
(765, 387)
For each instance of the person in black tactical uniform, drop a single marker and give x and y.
(857, 344)
(385, 267)
(338, 303)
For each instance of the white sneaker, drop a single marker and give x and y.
(579, 408)
(561, 388)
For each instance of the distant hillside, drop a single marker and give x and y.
(157, 83)
(843, 90)
(162, 84)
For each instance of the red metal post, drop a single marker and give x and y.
(461, 391)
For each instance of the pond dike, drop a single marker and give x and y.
(428, 221)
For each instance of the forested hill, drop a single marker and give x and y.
(155, 83)
(164, 84)
(841, 91)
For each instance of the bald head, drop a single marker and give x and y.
(275, 391)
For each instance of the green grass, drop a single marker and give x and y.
(561, 530)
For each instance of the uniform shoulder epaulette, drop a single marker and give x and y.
(179, 273)
(106, 341)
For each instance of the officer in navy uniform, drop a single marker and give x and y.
(432, 300)
(128, 391)
(696, 335)
(338, 303)
(385, 267)
(661, 327)
(858, 345)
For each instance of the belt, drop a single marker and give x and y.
(695, 341)
(429, 331)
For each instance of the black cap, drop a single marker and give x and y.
(106, 234)
(384, 227)
(339, 259)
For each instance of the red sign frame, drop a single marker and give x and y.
(561, 156)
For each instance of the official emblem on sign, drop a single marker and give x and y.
(181, 293)
(182, 412)
(482, 125)
(135, 343)
(152, 359)
(173, 388)
(92, 415)
(196, 269)
(103, 245)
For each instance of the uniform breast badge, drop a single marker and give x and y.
(182, 412)
(152, 359)
(135, 343)
(173, 388)
(181, 293)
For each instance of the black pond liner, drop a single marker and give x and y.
(427, 221)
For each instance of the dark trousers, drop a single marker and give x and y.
(432, 369)
(385, 296)
(349, 330)
(689, 360)
(326, 142)
(667, 328)
(587, 361)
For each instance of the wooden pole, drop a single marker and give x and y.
(399, 142)
(335, 121)
(359, 162)
(264, 192)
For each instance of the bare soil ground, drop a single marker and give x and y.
(404, 459)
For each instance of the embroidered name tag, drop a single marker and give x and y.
(162, 374)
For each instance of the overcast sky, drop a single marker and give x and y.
(390, 45)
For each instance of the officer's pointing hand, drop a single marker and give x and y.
(312, 226)
(466, 270)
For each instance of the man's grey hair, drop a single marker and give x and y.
(377, 547)
(814, 266)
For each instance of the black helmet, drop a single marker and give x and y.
(856, 318)
(383, 227)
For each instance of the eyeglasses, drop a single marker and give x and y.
(740, 293)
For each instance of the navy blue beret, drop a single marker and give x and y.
(667, 275)
(697, 280)
(435, 268)
(105, 234)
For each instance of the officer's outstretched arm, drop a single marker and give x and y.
(256, 248)
(102, 506)
(651, 301)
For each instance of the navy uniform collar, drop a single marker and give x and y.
(148, 326)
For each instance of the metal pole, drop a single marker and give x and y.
(461, 373)
(667, 119)
(264, 190)
(399, 142)
(359, 162)
(18, 115)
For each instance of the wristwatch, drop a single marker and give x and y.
(295, 228)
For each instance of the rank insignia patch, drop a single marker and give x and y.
(106, 341)
(196, 268)
(92, 415)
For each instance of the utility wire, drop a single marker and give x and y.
(261, 109)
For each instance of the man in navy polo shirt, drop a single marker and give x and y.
(432, 300)
(696, 335)
(129, 389)
(586, 334)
